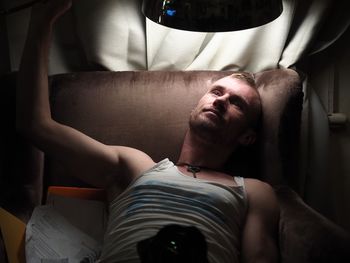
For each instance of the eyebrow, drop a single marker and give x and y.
(215, 87)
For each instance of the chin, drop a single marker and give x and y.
(207, 131)
(202, 123)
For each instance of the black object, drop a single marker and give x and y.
(212, 15)
(174, 244)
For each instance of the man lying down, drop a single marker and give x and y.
(165, 209)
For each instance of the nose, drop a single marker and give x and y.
(221, 102)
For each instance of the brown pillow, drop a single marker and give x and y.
(282, 101)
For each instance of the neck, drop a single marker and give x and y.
(199, 152)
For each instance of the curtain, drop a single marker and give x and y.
(115, 35)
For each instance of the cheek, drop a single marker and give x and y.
(194, 113)
(237, 120)
(206, 99)
(201, 104)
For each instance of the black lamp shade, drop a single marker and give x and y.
(212, 15)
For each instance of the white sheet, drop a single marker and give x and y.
(115, 35)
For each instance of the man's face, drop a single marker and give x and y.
(226, 111)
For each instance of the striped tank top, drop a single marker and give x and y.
(162, 196)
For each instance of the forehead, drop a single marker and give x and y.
(234, 86)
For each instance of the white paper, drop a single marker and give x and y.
(88, 215)
(51, 238)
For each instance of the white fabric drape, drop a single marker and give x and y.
(115, 35)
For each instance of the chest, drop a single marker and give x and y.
(209, 175)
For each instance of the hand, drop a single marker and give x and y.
(47, 11)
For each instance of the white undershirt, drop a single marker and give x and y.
(162, 196)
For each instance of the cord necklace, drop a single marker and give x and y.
(194, 169)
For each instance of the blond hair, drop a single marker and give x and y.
(246, 77)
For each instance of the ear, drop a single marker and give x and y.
(247, 138)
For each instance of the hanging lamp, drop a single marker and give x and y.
(212, 15)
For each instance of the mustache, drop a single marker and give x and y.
(215, 109)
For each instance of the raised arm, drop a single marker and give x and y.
(95, 163)
(260, 233)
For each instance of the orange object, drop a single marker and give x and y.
(79, 192)
(13, 233)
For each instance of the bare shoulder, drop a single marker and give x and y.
(133, 161)
(261, 196)
(255, 186)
